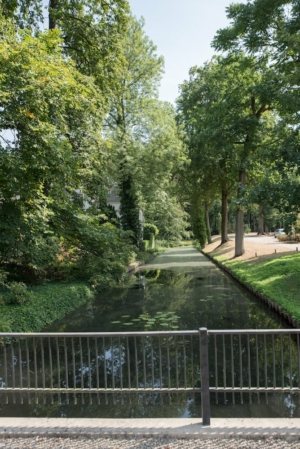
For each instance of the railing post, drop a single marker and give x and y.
(204, 368)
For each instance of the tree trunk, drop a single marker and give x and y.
(224, 232)
(52, 20)
(260, 230)
(207, 223)
(239, 227)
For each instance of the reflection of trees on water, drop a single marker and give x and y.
(201, 297)
(152, 363)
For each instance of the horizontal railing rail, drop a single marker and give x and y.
(223, 363)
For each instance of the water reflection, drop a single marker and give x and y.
(160, 298)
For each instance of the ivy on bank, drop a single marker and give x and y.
(47, 304)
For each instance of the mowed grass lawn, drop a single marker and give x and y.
(277, 278)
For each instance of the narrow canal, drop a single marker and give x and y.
(181, 289)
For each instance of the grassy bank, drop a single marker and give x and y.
(48, 303)
(277, 278)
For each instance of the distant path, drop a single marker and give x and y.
(256, 246)
(183, 256)
(270, 241)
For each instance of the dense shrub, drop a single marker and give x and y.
(5, 323)
(151, 241)
(112, 273)
(292, 238)
(48, 303)
(18, 294)
(144, 245)
(150, 229)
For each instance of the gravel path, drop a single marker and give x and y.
(145, 443)
(257, 248)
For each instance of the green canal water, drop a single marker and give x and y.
(183, 290)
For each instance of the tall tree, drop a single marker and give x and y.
(91, 31)
(223, 105)
(146, 144)
(50, 142)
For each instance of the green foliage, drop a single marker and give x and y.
(18, 294)
(57, 87)
(198, 221)
(149, 229)
(5, 323)
(246, 229)
(143, 130)
(92, 31)
(237, 95)
(48, 303)
(167, 213)
(152, 241)
(145, 245)
(46, 160)
(278, 278)
(129, 209)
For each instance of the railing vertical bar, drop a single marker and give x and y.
(249, 368)
(274, 364)
(97, 368)
(13, 368)
(176, 361)
(291, 363)
(73, 362)
(232, 368)
(241, 366)
(121, 366)
(74, 369)
(112, 364)
(66, 368)
(35, 369)
(152, 362)
(128, 363)
(266, 367)
(136, 364)
(160, 363)
(5, 369)
(43, 368)
(43, 363)
(58, 368)
(144, 362)
(104, 369)
(168, 362)
(282, 363)
(257, 368)
(184, 361)
(224, 367)
(50, 367)
(89, 361)
(192, 363)
(89, 365)
(20, 369)
(81, 369)
(298, 359)
(216, 367)
(204, 367)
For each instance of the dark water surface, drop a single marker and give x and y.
(182, 290)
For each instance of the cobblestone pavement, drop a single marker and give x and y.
(145, 443)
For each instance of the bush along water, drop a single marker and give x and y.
(40, 305)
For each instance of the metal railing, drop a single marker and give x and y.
(206, 362)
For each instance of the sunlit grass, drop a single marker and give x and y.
(277, 278)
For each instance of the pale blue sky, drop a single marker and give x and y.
(182, 31)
